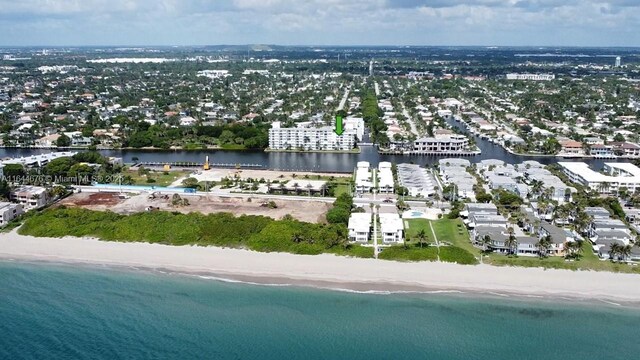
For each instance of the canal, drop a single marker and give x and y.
(325, 162)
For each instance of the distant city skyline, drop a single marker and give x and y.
(318, 22)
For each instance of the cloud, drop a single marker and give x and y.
(343, 22)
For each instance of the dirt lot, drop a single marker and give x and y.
(308, 211)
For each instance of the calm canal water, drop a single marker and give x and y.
(326, 162)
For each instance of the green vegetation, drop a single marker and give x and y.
(410, 253)
(457, 248)
(372, 115)
(586, 261)
(233, 137)
(149, 177)
(252, 232)
(458, 255)
(341, 210)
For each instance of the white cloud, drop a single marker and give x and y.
(464, 22)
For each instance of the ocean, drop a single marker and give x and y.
(69, 312)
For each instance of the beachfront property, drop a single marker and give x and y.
(9, 211)
(485, 222)
(364, 178)
(386, 184)
(446, 143)
(417, 180)
(30, 197)
(615, 176)
(310, 138)
(359, 227)
(391, 228)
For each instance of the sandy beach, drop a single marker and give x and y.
(327, 271)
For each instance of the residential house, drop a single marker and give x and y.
(359, 227)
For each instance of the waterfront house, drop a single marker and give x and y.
(391, 228)
(359, 227)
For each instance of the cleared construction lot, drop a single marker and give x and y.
(308, 211)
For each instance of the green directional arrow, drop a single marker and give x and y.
(339, 129)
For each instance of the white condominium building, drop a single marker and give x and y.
(8, 212)
(447, 143)
(359, 227)
(385, 178)
(355, 125)
(392, 228)
(364, 178)
(533, 77)
(615, 177)
(310, 139)
(31, 197)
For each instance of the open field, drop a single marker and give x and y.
(450, 232)
(160, 178)
(268, 175)
(307, 211)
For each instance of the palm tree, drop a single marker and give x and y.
(511, 243)
(543, 245)
(486, 242)
(621, 252)
(614, 251)
(422, 235)
(536, 187)
(572, 249)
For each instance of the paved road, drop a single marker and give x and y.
(343, 102)
(412, 123)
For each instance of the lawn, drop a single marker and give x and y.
(161, 178)
(342, 189)
(448, 231)
(454, 232)
(414, 227)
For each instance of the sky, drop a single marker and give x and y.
(320, 22)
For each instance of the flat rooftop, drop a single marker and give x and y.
(590, 175)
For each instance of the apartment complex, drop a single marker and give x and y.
(310, 139)
(30, 197)
(615, 176)
(8, 212)
(448, 143)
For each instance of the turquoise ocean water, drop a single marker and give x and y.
(65, 312)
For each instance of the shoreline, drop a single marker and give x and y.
(327, 271)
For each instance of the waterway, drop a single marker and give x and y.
(324, 162)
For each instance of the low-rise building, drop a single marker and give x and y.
(449, 143)
(9, 211)
(30, 197)
(364, 178)
(615, 176)
(359, 227)
(386, 184)
(392, 228)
